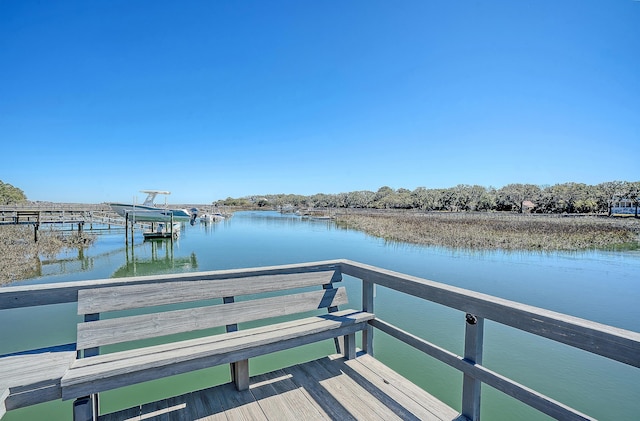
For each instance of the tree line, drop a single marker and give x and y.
(10, 194)
(558, 198)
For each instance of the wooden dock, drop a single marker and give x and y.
(330, 388)
(80, 216)
(351, 385)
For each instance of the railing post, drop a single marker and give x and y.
(239, 369)
(87, 408)
(367, 305)
(473, 338)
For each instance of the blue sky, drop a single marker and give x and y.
(210, 99)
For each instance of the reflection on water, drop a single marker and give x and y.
(74, 260)
(154, 257)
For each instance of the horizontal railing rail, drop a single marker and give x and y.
(67, 292)
(611, 342)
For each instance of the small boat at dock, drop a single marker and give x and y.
(162, 230)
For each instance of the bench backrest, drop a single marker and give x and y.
(93, 332)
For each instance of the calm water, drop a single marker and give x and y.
(601, 286)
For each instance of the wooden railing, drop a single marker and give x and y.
(607, 341)
(613, 343)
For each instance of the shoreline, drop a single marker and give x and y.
(23, 255)
(498, 231)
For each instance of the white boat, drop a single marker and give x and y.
(162, 230)
(206, 218)
(212, 217)
(148, 211)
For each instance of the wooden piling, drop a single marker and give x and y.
(36, 227)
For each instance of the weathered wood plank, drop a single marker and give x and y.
(4, 393)
(207, 405)
(239, 345)
(241, 374)
(125, 329)
(412, 398)
(354, 315)
(240, 405)
(368, 295)
(473, 351)
(319, 394)
(24, 371)
(33, 378)
(296, 399)
(101, 300)
(271, 403)
(614, 343)
(99, 373)
(376, 392)
(201, 405)
(347, 393)
(67, 292)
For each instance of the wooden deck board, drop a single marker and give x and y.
(326, 389)
(411, 396)
(301, 404)
(347, 394)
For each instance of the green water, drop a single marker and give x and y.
(596, 285)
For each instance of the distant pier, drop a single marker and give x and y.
(74, 215)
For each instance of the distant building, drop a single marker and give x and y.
(623, 206)
(528, 206)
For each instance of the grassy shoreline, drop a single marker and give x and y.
(492, 231)
(20, 256)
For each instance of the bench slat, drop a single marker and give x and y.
(126, 329)
(131, 353)
(100, 300)
(104, 372)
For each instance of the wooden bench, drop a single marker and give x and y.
(214, 304)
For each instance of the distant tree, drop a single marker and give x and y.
(605, 192)
(321, 200)
(467, 197)
(403, 199)
(511, 196)
(487, 200)
(360, 199)
(382, 198)
(10, 194)
(568, 198)
(420, 198)
(229, 201)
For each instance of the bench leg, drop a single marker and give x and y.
(241, 374)
(86, 408)
(349, 347)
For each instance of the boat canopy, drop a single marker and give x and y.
(151, 196)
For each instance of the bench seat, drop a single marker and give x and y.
(32, 378)
(104, 372)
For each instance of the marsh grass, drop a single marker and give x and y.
(20, 255)
(498, 231)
